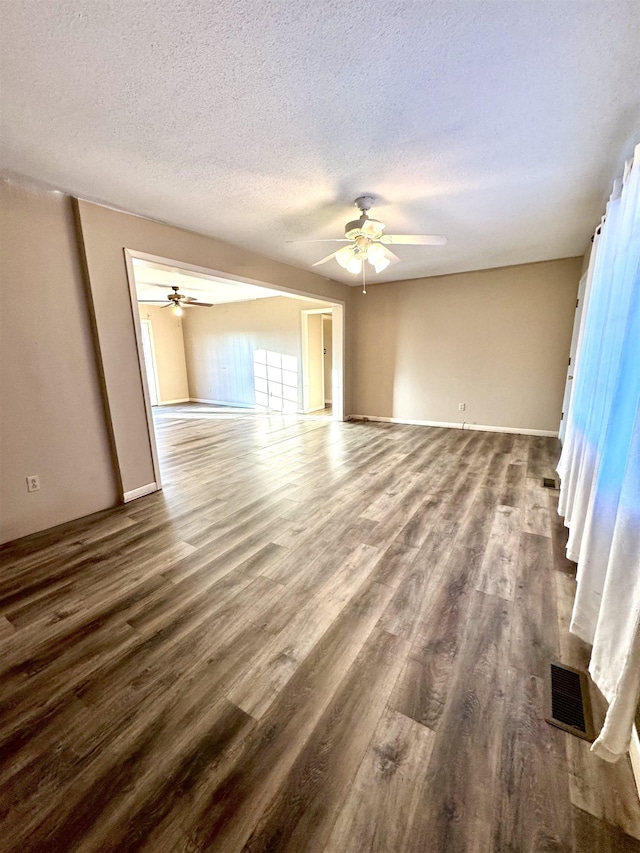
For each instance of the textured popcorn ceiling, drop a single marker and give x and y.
(499, 124)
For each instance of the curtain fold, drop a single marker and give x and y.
(600, 465)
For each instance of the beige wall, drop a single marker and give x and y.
(497, 340)
(221, 342)
(106, 233)
(168, 345)
(52, 416)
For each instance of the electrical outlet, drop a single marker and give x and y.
(462, 407)
(33, 483)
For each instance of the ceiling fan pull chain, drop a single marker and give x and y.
(364, 278)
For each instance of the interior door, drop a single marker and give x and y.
(149, 361)
(313, 360)
(327, 339)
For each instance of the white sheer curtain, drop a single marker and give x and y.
(600, 465)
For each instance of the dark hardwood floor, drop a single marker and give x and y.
(318, 637)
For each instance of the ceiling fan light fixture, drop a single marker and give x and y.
(344, 256)
(381, 265)
(368, 243)
(375, 253)
(177, 310)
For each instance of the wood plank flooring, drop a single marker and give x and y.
(319, 637)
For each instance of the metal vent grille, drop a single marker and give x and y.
(549, 483)
(569, 700)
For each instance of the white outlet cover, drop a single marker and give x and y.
(33, 483)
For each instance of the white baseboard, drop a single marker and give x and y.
(463, 425)
(140, 492)
(549, 433)
(221, 403)
(634, 755)
(249, 406)
(174, 402)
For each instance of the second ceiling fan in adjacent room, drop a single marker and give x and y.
(177, 300)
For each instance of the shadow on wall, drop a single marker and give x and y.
(275, 381)
(374, 354)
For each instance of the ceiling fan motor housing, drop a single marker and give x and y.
(357, 228)
(364, 226)
(364, 203)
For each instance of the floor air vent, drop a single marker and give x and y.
(570, 703)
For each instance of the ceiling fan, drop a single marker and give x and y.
(177, 300)
(368, 243)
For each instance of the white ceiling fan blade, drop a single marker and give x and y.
(390, 256)
(371, 227)
(413, 239)
(194, 302)
(327, 240)
(324, 260)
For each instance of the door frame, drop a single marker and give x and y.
(304, 315)
(137, 328)
(154, 365)
(338, 337)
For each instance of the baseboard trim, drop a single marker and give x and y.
(174, 402)
(140, 492)
(248, 406)
(463, 425)
(221, 403)
(634, 755)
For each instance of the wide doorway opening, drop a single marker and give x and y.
(214, 346)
